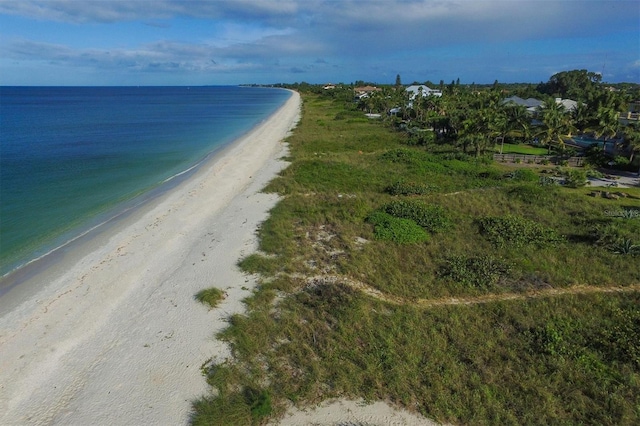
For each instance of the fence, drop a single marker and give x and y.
(539, 159)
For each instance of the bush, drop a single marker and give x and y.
(517, 231)
(409, 188)
(404, 155)
(523, 175)
(575, 178)
(433, 218)
(398, 230)
(480, 272)
(547, 181)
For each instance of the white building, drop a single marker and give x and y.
(425, 90)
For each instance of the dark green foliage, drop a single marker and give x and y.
(407, 156)
(259, 402)
(477, 271)
(547, 181)
(398, 230)
(420, 138)
(517, 231)
(431, 217)
(524, 175)
(626, 247)
(575, 178)
(409, 188)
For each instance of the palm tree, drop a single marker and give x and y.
(518, 120)
(632, 140)
(556, 124)
(581, 117)
(607, 124)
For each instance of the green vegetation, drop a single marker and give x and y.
(473, 293)
(509, 148)
(210, 296)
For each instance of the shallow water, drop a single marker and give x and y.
(71, 157)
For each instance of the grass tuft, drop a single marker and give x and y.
(210, 296)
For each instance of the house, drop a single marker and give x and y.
(568, 104)
(633, 113)
(365, 91)
(425, 90)
(531, 104)
(329, 86)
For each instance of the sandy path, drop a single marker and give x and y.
(114, 336)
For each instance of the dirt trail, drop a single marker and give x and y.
(475, 300)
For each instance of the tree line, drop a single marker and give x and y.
(473, 117)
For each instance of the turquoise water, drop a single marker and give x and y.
(71, 157)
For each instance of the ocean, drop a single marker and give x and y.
(72, 158)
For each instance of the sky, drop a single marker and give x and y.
(220, 42)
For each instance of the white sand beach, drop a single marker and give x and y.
(114, 336)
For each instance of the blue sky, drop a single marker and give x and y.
(187, 42)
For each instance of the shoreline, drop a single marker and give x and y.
(113, 333)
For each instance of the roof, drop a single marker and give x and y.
(568, 104)
(367, 89)
(528, 103)
(426, 91)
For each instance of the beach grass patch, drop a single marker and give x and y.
(432, 333)
(210, 296)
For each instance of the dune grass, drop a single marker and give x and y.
(210, 296)
(342, 312)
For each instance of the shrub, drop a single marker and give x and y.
(480, 272)
(524, 175)
(433, 218)
(398, 230)
(408, 188)
(404, 155)
(517, 231)
(626, 247)
(547, 181)
(575, 178)
(421, 138)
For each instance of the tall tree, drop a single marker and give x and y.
(608, 124)
(581, 116)
(519, 120)
(556, 124)
(632, 140)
